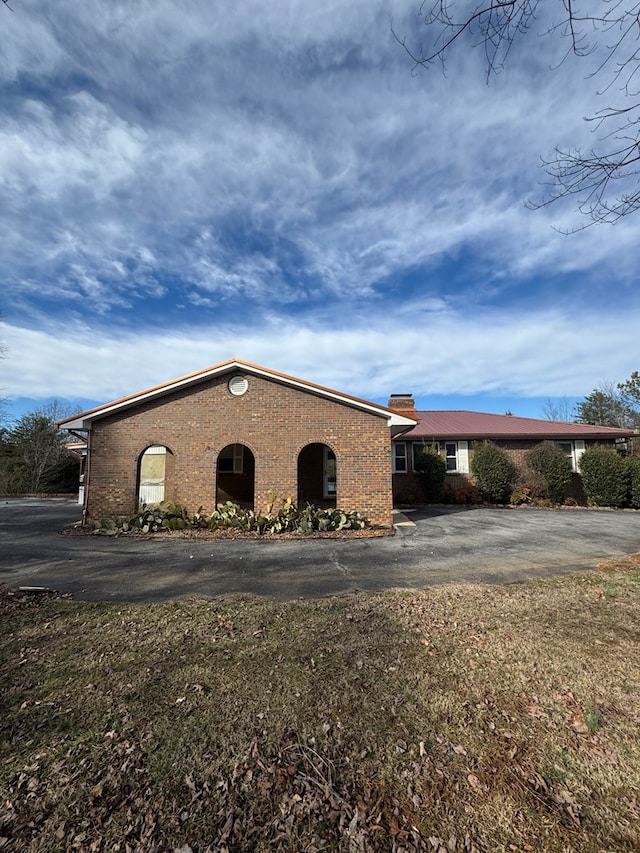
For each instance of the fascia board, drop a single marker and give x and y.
(85, 419)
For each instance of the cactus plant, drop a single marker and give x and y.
(228, 515)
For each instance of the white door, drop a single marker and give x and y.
(329, 479)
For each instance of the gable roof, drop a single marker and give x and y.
(84, 420)
(480, 425)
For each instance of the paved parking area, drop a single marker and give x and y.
(444, 545)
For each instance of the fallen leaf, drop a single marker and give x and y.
(475, 783)
(96, 791)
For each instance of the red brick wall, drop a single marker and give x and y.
(275, 421)
(407, 488)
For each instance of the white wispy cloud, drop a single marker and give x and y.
(443, 351)
(276, 155)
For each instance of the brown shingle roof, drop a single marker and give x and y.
(479, 425)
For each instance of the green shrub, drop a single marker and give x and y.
(605, 477)
(550, 462)
(431, 469)
(493, 472)
(633, 472)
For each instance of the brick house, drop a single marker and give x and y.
(238, 431)
(456, 433)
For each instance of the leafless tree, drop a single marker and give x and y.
(605, 181)
(558, 410)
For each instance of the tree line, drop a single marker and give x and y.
(34, 457)
(610, 405)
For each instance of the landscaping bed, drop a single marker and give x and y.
(365, 533)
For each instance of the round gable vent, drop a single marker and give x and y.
(238, 385)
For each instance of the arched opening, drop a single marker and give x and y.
(235, 476)
(317, 475)
(152, 474)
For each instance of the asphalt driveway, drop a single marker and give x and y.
(443, 545)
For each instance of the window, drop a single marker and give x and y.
(573, 450)
(456, 455)
(451, 455)
(399, 457)
(418, 446)
(230, 460)
(152, 469)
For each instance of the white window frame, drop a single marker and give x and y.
(418, 445)
(399, 455)
(573, 450)
(460, 456)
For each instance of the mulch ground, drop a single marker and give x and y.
(370, 533)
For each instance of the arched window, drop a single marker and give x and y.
(317, 475)
(152, 475)
(235, 476)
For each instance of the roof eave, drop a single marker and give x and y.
(492, 436)
(84, 420)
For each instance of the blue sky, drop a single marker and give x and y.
(185, 182)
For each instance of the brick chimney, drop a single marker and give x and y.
(402, 403)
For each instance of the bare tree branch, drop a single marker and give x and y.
(605, 180)
(558, 410)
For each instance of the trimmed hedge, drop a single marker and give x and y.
(633, 474)
(493, 472)
(431, 468)
(548, 460)
(605, 477)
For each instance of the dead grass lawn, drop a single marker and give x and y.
(460, 718)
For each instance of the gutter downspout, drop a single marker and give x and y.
(87, 478)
